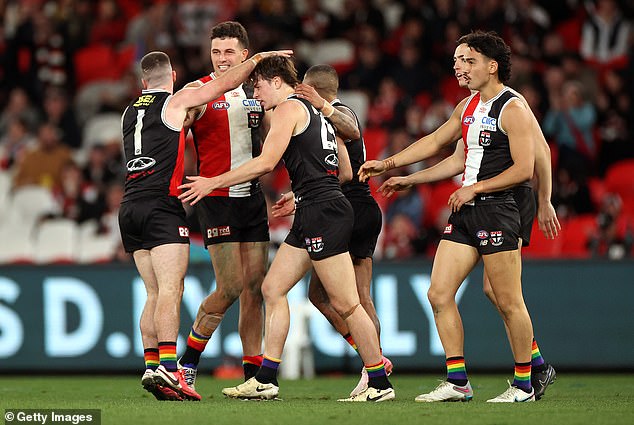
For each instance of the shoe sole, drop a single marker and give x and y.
(451, 400)
(161, 393)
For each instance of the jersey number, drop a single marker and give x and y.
(137, 131)
(328, 139)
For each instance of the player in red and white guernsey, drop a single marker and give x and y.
(542, 373)
(485, 221)
(233, 221)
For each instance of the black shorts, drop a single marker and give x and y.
(490, 228)
(528, 207)
(149, 222)
(323, 228)
(224, 219)
(366, 229)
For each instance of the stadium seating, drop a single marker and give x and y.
(540, 247)
(56, 242)
(575, 233)
(28, 205)
(358, 101)
(619, 179)
(93, 247)
(16, 246)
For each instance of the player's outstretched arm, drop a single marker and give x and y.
(283, 122)
(448, 167)
(421, 149)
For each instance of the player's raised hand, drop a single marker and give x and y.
(547, 220)
(284, 206)
(197, 188)
(394, 184)
(372, 168)
(309, 93)
(261, 55)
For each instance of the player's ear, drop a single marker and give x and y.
(173, 76)
(245, 54)
(144, 84)
(493, 67)
(277, 81)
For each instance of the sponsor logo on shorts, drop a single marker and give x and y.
(468, 120)
(497, 238)
(215, 232)
(307, 242)
(448, 229)
(221, 104)
(484, 242)
(485, 138)
(317, 244)
(482, 234)
(183, 231)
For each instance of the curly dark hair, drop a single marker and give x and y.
(491, 45)
(231, 29)
(275, 66)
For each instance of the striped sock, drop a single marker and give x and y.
(522, 378)
(151, 356)
(377, 378)
(456, 371)
(167, 354)
(350, 341)
(196, 344)
(537, 361)
(251, 365)
(268, 371)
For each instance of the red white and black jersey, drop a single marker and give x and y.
(226, 135)
(356, 151)
(487, 150)
(311, 159)
(153, 149)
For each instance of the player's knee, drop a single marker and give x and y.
(438, 298)
(488, 291)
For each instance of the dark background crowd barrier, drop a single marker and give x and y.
(85, 318)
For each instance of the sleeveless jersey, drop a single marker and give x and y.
(311, 159)
(356, 151)
(226, 135)
(153, 149)
(487, 151)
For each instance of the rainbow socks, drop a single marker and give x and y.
(267, 374)
(456, 371)
(167, 355)
(196, 344)
(251, 365)
(151, 356)
(377, 378)
(522, 378)
(350, 341)
(537, 361)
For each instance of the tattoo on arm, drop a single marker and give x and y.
(345, 125)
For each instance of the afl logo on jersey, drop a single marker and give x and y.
(220, 105)
(468, 120)
(140, 163)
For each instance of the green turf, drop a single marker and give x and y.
(574, 399)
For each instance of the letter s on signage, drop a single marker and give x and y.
(11, 328)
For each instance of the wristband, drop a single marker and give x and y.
(255, 62)
(324, 108)
(389, 163)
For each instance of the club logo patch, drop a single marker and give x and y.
(497, 238)
(254, 118)
(485, 138)
(317, 244)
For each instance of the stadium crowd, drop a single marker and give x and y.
(67, 73)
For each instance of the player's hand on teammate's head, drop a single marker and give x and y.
(284, 206)
(371, 168)
(547, 220)
(394, 184)
(284, 53)
(309, 93)
(196, 189)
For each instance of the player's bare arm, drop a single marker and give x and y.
(343, 120)
(284, 206)
(515, 120)
(345, 167)
(448, 167)
(421, 149)
(284, 122)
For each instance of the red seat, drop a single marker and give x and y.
(575, 234)
(437, 200)
(101, 62)
(375, 141)
(620, 179)
(540, 247)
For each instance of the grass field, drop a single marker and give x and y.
(573, 399)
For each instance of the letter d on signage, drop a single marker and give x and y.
(58, 291)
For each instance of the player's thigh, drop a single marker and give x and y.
(169, 262)
(363, 276)
(452, 263)
(226, 260)
(504, 271)
(289, 266)
(143, 261)
(337, 276)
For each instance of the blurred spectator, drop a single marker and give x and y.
(409, 71)
(399, 237)
(611, 242)
(605, 35)
(383, 112)
(14, 143)
(368, 71)
(43, 164)
(58, 112)
(98, 171)
(407, 203)
(19, 107)
(79, 200)
(527, 23)
(282, 22)
(571, 195)
(151, 29)
(317, 22)
(360, 13)
(76, 17)
(109, 26)
(571, 121)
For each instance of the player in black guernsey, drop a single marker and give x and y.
(151, 218)
(320, 86)
(302, 136)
